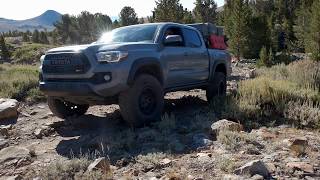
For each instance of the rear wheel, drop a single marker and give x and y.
(64, 109)
(143, 102)
(217, 87)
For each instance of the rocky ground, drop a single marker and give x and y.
(189, 143)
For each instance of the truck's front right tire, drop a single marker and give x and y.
(143, 102)
(63, 109)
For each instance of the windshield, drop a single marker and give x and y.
(141, 33)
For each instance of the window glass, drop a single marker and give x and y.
(192, 38)
(141, 33)
(174, 31)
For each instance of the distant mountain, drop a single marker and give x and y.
(42, 22)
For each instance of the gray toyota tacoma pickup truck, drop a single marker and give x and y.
(134, 67)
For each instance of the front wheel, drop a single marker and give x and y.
(143, 102)
(217, 87)
(64, 109)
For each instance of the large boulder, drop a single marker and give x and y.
(225, 125)
(252, 168)
(14, 154)
(201, 141)
(8, 108)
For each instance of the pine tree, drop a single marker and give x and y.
(264, 59)
(25, 37)
(5, 53)
(302, 27)
(314, 36)
(169, 11)
(188, 17)
(205, 11)
(54, 36)
(85, 27)
(68, 30)
(128, 16)
(36, 36)
(43, 38)
(258, 36)
(103, 23)
(237, 21)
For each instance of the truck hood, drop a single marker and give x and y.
(104, 47)
(74, 48)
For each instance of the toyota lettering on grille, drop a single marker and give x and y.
(60, 62)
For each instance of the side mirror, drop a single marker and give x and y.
(173, 39)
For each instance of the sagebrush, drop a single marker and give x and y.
(20, 82)
(280, 94)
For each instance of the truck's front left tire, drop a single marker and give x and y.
(143, 102)
(64, 109)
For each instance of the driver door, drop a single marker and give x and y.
(174, 58)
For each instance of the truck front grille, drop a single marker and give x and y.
(65, 63)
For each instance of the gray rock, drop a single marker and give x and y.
(100, 164)
(251, 74)
(201, 141)
(232, 177)
(4, 132)
(306, 167)
(43, 131)
(8, 108)
(252, 168)
(225, 125)
(16, 177)
(38, 133)
(3, 143)
(14, 153)
(257, 177)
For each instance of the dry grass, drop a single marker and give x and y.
(75, 168)
(151, 160)
(234, 141)
(225, 164)
(280, 94)
(19, 82)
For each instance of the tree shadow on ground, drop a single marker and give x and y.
(109, 136)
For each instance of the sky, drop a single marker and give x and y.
(24, 9)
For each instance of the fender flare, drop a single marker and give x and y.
(144, 62)
(213, 68)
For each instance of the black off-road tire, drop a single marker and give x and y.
(64, 109)
(217, 87)
(143, 102)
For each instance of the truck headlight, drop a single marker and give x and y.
(111, 56)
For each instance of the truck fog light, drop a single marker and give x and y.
(107, 77)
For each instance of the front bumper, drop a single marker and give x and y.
(59, 89)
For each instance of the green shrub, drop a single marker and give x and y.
(264, 59)
(19, 82)
(30, 53)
